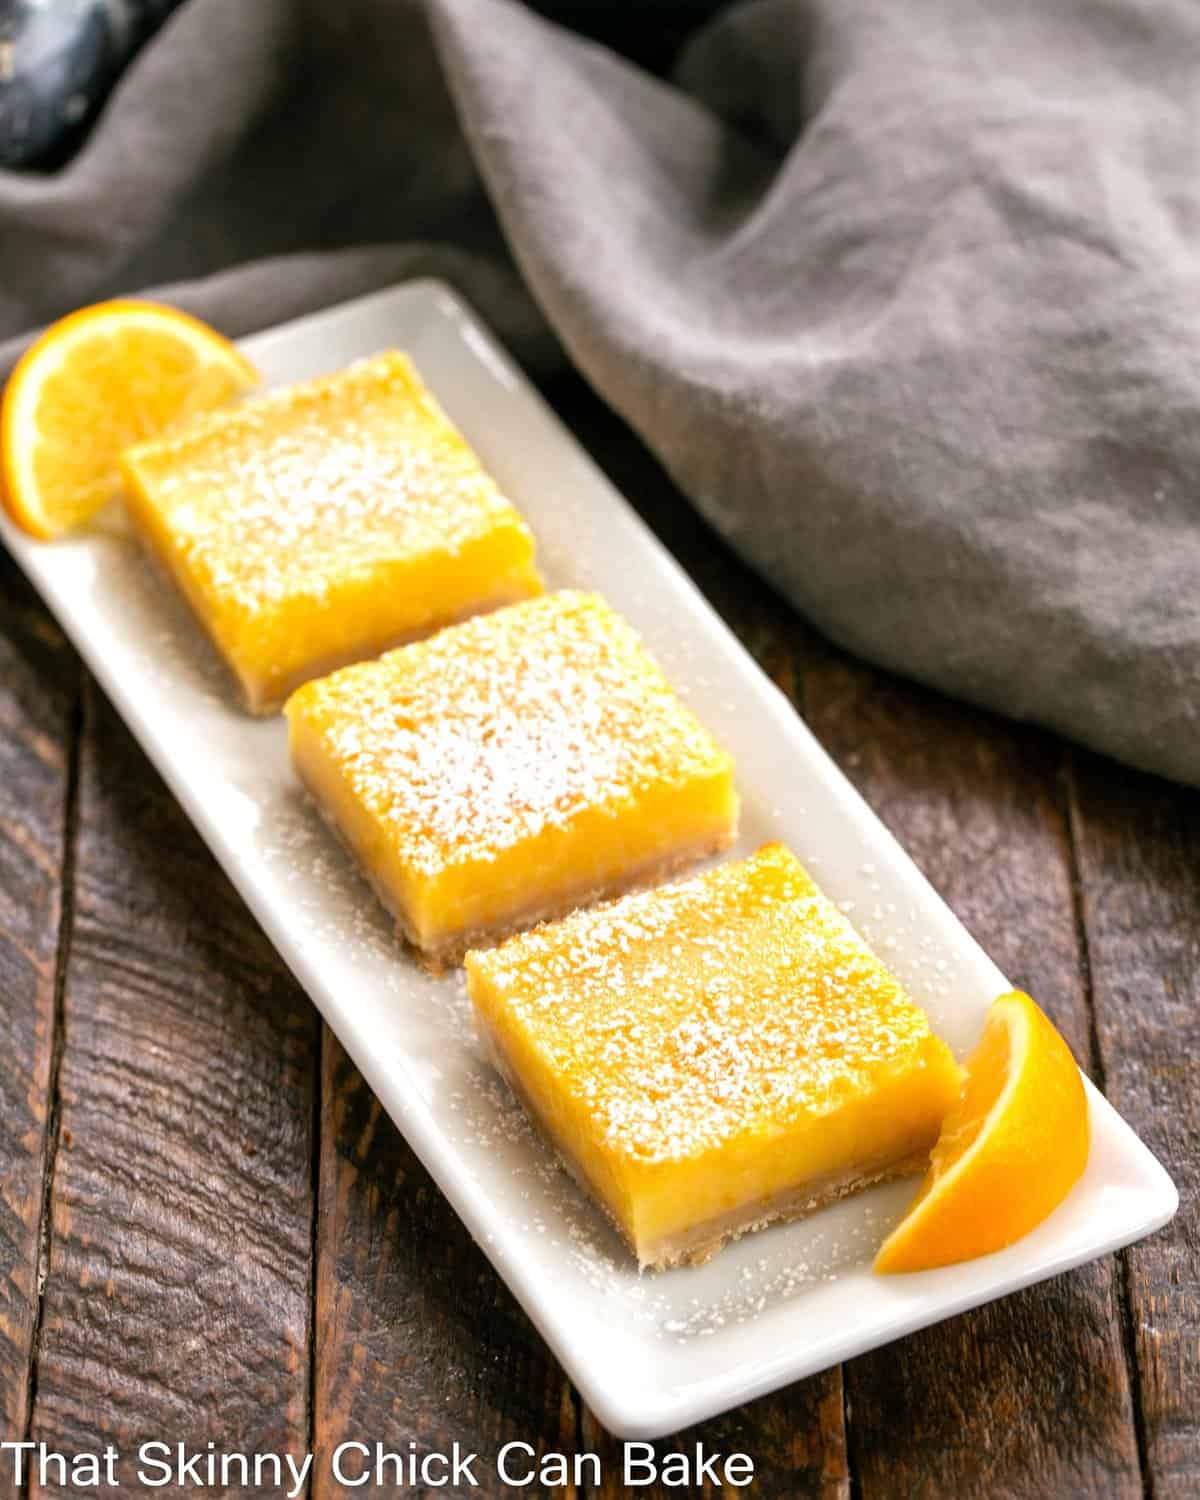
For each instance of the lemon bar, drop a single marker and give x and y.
(714, 1055)
(509, 769)
(324, 523)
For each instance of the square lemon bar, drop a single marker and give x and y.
(323, 523)
(714, 1055)
(511, 768)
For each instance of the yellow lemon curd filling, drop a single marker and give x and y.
(510, 768)
(323, 523)
(714, 1054)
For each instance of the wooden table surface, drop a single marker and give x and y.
(209, 1231)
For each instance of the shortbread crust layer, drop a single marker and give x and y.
(450, 952)
(700, 1242)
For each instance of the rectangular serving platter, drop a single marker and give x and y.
(649, 1353)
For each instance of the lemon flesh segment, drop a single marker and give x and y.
(94, 383)
(1009, 1151)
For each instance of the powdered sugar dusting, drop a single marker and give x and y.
(295, 493)
(709, 1013)
(500, 729)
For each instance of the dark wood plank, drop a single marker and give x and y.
(39, 686)
(795, 1439)
(178, 1300)
(418, 1340)
(1138, 844)
(1029, 1396)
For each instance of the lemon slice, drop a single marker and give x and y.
(1009, 1152)
(95, 382)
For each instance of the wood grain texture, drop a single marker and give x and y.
(39, 685)
(178, 1299)
(1138, 844)
(417, 1338)
(796, 1439)
(1028, 1396)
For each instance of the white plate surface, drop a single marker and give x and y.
(652, 1353)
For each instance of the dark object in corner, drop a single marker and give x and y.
(58, 60)
(649, 33)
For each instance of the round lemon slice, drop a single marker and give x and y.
(94, 383)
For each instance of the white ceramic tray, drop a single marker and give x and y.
(652, 1353)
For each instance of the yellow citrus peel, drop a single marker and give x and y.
(1009, 1152)
(95, 382)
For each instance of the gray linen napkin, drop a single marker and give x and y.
(903, 296)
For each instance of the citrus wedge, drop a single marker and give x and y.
(95, 382)
(1009, 1152)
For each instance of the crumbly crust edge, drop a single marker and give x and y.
(263, 705)
(450, 953)
(700, 1242)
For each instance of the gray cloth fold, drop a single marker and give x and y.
(902, 296)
